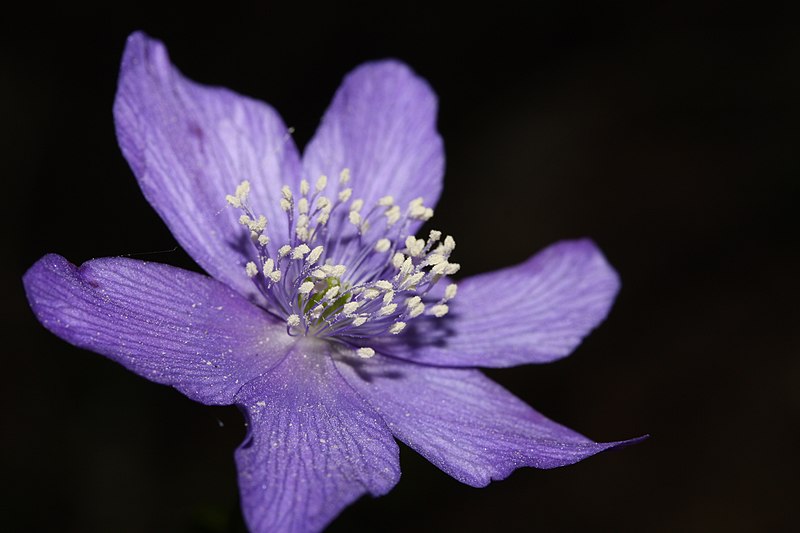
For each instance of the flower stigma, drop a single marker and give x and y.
(345, 269)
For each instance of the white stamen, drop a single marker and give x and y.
(359, 320)
(412, 281)
(439, 310)
(319, 274)
(387, 309)
(304, 187)
(344, 177)
(314, 255)
(357, 205)
(386, 201)
(258, 225)
(322, 182)
(414, 246)
(413, 302)
(251, 269)
(263, 240)
(383, 284)
(275, 276)
(406, 267)
(269, 264)
(397, 260)
(355, 218)
(388, 297)
(243, 190)
(306, 287)
(365, 353)
(435, 235)
(416, 310)
(397, 327)
(293, 321)
(435, 259)
(392, 215)
(439, 268)
(382, 245)
(371, 294)
(345, 194)
(238, 198)
(244, 220)
(332, 293)
(450, 291)
(350, 308)
(302, 205)
(286, 205)
(287, 193)
(284, 250)
(323, 203)
(300, 251)
(452, 268)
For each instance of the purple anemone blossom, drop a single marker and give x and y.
(326, 320)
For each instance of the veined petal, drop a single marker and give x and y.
(314, 446)
(168, 325)
(381, 125)
(535, 312)
(463, 422)
(190, 145)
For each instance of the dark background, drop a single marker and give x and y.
(666, 133)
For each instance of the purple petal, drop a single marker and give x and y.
(534, 312)
(382, 126)
(313, 447)
(464, 423)
(168, 325)
(190, 145)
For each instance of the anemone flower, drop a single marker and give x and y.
(324, 317)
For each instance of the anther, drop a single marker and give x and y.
(450, 291)
(439, 310)
(306, 287)
(300, 251)
(365, 353)
(314, 255)
(302, 205)
(387, 310)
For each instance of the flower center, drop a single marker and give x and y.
(346, 271)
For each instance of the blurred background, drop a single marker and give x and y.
(667, 133)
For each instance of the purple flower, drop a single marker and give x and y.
(325, 319)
